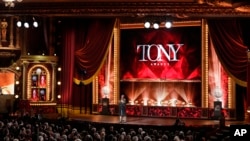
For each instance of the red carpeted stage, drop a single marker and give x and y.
(111, 119)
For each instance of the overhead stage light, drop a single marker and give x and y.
(11, 3)
(26, 25)
(35, 23)
(18, 23)
(27, 22)
(147, 24)
(168, 24)
(156, 25)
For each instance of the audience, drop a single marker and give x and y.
(34, 129)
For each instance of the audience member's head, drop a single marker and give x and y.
(13, 130)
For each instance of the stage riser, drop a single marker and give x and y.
(158, 111)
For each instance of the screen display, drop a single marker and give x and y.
(7, 83)
(171, 54)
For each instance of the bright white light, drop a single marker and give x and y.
(106, 90)
(19, 24)
(59, 69)
(147, 24)
(16, 96)
(17, 68)
(38, 71)
(168, 24)
(26, 25)
(17, 82)
(156, 26)
(158, 103)
(35, 24)
(10, 3)
(145, 103)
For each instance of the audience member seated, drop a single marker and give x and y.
(25, 129)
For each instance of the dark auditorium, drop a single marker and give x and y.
(124, 70)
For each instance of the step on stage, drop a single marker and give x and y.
(111, 119)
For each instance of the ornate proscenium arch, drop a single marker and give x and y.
(134, 9)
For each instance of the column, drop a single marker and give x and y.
(11, 33)
(248, 79)
(17, 37)
(53, 81)
(0, 35)
(24, 89)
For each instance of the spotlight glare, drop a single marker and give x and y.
(17, 68)
(17, 82)
(147, 24)
(156, 25)
(168, 24)
(59, 69)
(35, 24)
(16, 96)
(19, 24)
(26, 25)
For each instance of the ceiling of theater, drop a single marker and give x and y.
(179, 9)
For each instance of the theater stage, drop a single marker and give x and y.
(111, 119)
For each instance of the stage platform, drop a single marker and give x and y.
(154, 121)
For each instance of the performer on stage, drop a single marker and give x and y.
(122, 109)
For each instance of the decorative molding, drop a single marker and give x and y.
(248, 55)
(126, 9)
(39, 58)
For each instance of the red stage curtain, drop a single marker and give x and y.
(67, 63)
(92, 47)
(85, 45)
(228, 41)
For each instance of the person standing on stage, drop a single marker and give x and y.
(122, 108)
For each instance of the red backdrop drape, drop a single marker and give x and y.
(228, 39)
(229, 45)
(85, 44)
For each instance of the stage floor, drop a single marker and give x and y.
(150, 120)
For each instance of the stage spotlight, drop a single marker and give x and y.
(248, 110)
(18, 23)
(156, 25)
(168, 24)
(59, 69)
(147, 24)
(17, 68)
(16, 96)
(17, 82)
(35, 24)
(59, 96)
(26, 25)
